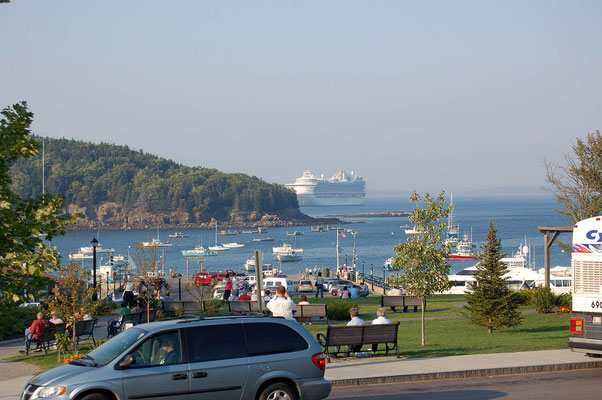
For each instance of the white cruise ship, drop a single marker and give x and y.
(341, 189)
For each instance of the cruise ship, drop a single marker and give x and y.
(341, 189)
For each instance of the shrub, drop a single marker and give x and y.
(105, 307)
(339, 310)
(525, 296)
(564, 300)
(212, 307)
(544, 300)
(14, 321)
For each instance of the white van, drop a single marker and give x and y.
(286, 282)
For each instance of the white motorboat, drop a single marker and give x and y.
(284, 249)
(250, 266)
(412, 231)
(218, 248)
(155, 242)
(233, 245)
(288, 255)
(87, 252)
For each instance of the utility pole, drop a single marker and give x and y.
(259, 279)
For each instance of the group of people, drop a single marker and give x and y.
(244, 295)
(35, 332)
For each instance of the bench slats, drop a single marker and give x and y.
(362, 335)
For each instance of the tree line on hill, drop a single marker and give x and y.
(92, 174)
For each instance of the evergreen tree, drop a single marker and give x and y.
(490, 302)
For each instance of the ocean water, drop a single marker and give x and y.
(515, 218)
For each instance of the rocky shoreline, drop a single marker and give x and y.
(110, 217)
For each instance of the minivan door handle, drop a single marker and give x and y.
(178, 377)
(199, 374)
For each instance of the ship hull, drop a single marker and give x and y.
(458, 257)
(311, 200)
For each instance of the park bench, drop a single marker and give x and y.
(402, 301)
(139, 317)
(244, 307)
(309, 311)
(360, 335)
(43, 341)
(85, 328)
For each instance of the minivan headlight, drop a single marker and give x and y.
(51, 391)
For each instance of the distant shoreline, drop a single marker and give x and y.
(386, 214)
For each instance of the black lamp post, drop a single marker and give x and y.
(94, 243)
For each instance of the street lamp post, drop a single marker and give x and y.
(94, 243)
(363, 272)
(372, 275)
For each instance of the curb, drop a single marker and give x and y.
(465, 374)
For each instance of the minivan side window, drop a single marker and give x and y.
(270, 338)
(162, 349)
(215, 342)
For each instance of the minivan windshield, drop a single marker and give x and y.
(106, 352)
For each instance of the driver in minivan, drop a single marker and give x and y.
(170, 354)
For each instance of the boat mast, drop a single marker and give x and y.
(43, 162)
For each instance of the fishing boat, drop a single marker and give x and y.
(284, 249)
(288, 255)
(233, 245)
(250, 266)
(465, 249)
(178, 235)
(412, 231)
(155, 242)
(295, 233)
(87, 252)
(199, 251)
(267, 239)
(227, 233)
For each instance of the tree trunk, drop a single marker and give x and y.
(423, 301)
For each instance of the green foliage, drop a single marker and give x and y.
(490, 302)
(544, 300)
(24, 256)
(91, 174)
(105, 308)
(212, 307)
(423, 258)
(14, 321)
(72, 296)
(577, 185)
(524, 296)
(564, 300)
(339, 310)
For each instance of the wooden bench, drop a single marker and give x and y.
(402, 301)
(244, 307)
(359, 336)
(309, 311)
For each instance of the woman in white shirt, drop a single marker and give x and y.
(380, 320)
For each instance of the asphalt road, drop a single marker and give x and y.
(582, 384)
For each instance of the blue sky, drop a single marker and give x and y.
(463, 96)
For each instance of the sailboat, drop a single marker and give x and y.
(217, 247)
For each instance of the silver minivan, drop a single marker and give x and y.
(192, 359)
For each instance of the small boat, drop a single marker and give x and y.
(285, 248)
(262, 229)
(250, 266)
(412, 231)
(198, 251)
(406, 226)
(178, 235)
(86, 252)
(295, 233)
(318, 228)
(389, 263)
(268, 239)
(155, 242)
(227, 233)
(249, 232)
(288, 255)
(218, 248)
(233, 245)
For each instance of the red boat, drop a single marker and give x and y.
(464, 250)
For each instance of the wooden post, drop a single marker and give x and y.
(259, 279)
(547, 258)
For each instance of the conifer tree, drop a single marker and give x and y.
(491, 303)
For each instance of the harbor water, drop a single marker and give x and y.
(515, 218)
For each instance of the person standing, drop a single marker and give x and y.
(319, 285)
(282, 305)
(128, 293)
(380, 320)
(228, 288)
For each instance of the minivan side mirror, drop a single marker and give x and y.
(127, 361)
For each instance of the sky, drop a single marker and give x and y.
(462, 96)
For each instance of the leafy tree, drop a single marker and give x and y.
(147, 264)
(577, 186)
(73, 296)
(491, 303)
(423, 259)
(24, 256)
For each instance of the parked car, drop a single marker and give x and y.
(220, 357)
(203, 278)
(278, 281)
(305, 285)
(337, 281)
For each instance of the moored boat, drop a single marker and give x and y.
(199, 251)
(233, 245)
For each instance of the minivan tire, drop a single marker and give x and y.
(95, 396)
(277, 391)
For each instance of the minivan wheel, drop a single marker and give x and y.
(278, 391)
(95, 396)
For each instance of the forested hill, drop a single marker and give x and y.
(116, 187)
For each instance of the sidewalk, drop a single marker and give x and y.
(365, 371)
